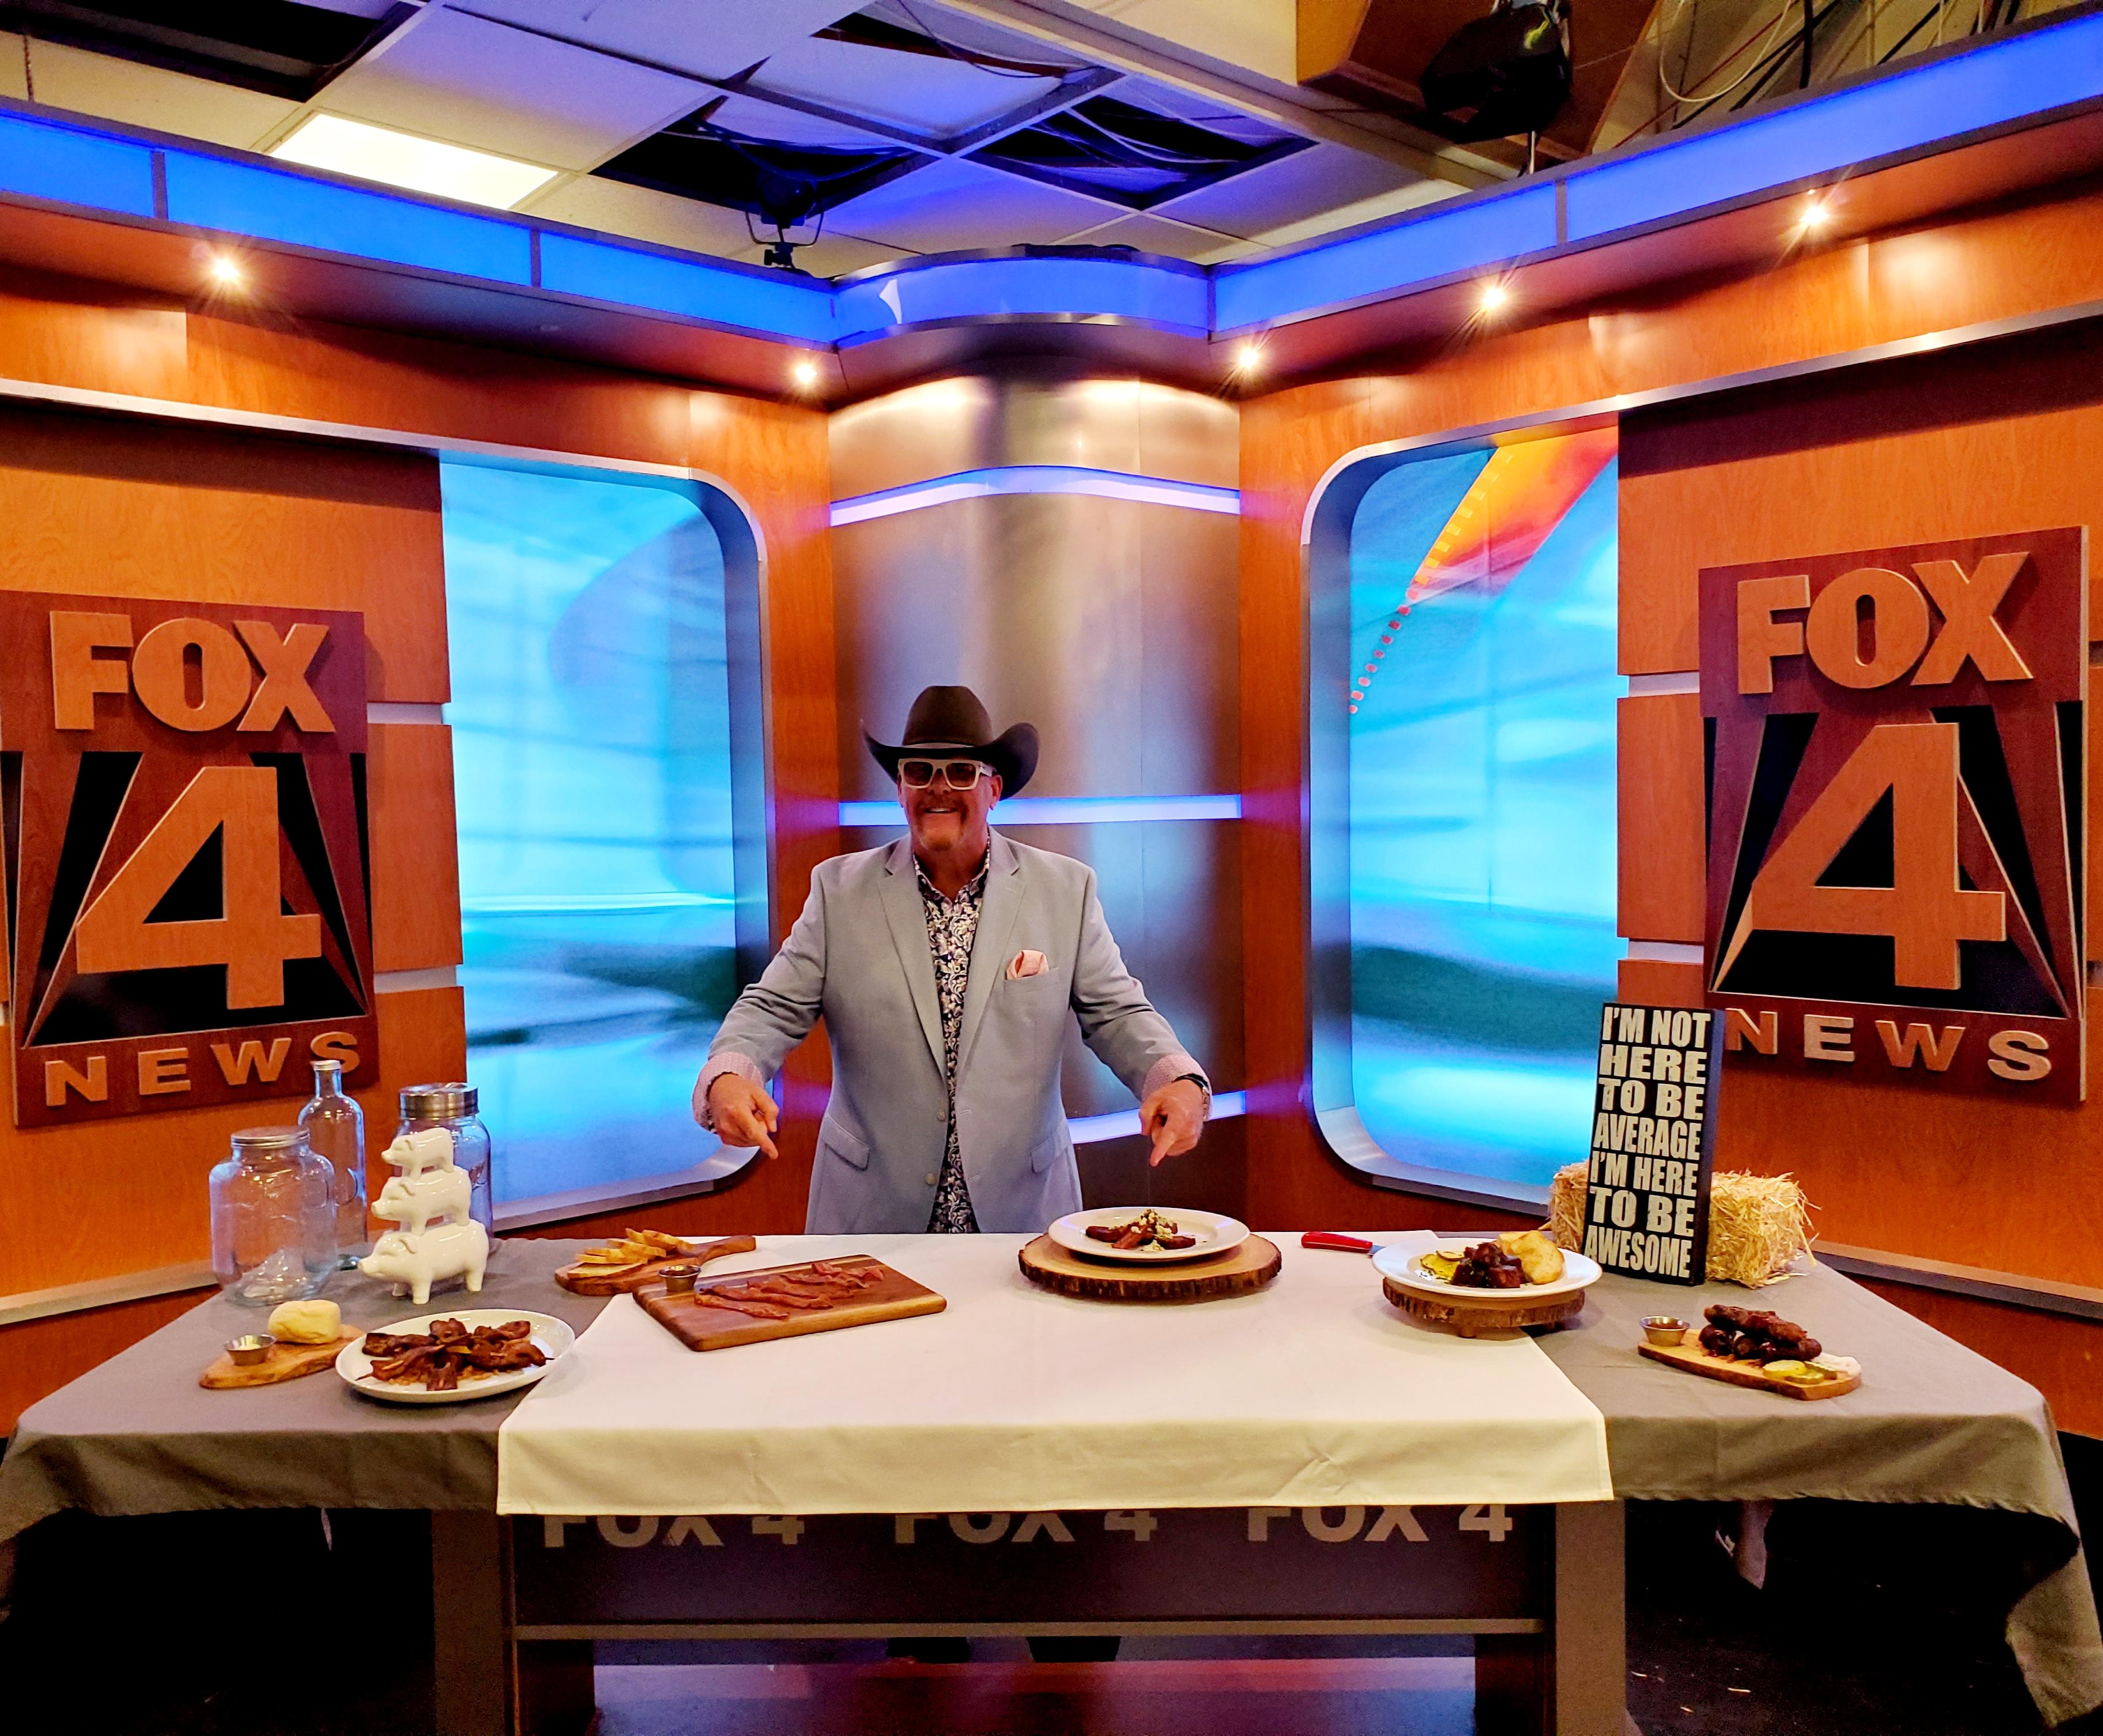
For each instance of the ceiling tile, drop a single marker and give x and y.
(1151, 234)
(923, 93)
(450, 76)
(953, 204)
(1290, 190)
(714, 38)
(125, 91)
(764, 120)
(642, 214)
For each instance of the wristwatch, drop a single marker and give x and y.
(1205, 1088)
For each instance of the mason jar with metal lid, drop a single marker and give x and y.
(273, 1217)
(452, 1107)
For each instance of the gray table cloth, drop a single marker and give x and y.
(1933, 1422)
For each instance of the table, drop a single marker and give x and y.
(1933, 1422)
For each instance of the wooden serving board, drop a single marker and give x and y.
(1696, 1361)
(1498, 1311)
(611, 1281)
(282, 1361)
(698, 1325)
(1246, 1268)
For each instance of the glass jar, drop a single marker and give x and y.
(273, 1217)
(334, 1127)
(452, 1107)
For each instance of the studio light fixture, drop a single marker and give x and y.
(225, 272)
(1816, 215)
(401, 159)
(1494, 296)
(1248, 358)
(805, 373)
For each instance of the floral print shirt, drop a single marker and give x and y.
(952, 925)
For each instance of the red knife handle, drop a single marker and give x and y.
(1326, 1239)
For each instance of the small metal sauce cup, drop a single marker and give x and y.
(250, 1348)
(678, 1280)
(1665, 1329)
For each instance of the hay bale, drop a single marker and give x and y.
(1757, 1224)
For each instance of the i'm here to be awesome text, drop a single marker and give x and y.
(1647, 1182)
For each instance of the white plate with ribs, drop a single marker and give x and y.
(1147, 1235)
(549, 1336)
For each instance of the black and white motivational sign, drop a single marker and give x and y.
(1653, 1129)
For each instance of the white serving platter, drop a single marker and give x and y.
(1216, 1234)
(553, 1336)
(1407, 1269)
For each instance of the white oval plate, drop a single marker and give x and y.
(1408, 1269)
(1216, 1234)
(553, 1336)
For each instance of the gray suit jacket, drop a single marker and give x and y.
(859, 955)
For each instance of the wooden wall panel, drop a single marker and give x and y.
(2062, 1357)
(1658, 771)
(416, 864)
(1657, 982)
(133, 1196)
(1947, 445)
(113, 507)
(1988, 438)
(39, 1356)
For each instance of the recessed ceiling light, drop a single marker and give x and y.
(1248, 358)
(401, 159)
(1816, 214)
(224, 270)
(1495, 296)
(805, 373)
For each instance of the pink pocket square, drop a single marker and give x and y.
(1025, 964)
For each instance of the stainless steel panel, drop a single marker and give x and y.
(1111, 625)
(946, 426)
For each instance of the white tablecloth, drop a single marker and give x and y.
(1313, 1392)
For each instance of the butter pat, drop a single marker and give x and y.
(314, 1322)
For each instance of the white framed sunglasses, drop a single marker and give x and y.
(956, 773)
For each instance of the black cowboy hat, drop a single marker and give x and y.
(950, 723)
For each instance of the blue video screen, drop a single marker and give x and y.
(590, 714)
(1480, 703)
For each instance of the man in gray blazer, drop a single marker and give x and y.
(947, 967)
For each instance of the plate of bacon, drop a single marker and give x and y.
(442, 1359)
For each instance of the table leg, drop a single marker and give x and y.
(1589, 1654)
(470, 1600)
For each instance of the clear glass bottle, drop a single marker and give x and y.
(273, 1217)
(452, 1107)
(335, 1129)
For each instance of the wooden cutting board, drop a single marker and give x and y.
(698, 1325)
(282, 1361)
(1696, 1361)
(603, 1281)
(1238, 1272)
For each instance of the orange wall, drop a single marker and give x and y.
(125, 505)
(2003, 434)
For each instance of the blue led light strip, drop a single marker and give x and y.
(1087, 1129)
(1034, 479)
(1067, 810)
(2009, 80)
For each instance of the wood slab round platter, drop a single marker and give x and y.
(1493, 1313)
(1247, 1269)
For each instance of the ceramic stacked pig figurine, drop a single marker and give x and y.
(429, 1198)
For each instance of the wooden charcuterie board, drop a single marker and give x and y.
(282, 1361)
(1696, 1361)
(699, 1325)
(1474, 1312)
(600, 1281)
(1246, 1268)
